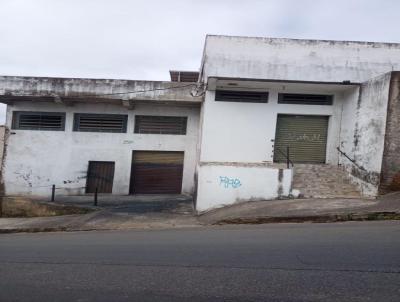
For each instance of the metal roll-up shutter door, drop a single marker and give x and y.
(305, 136)
(156, 172)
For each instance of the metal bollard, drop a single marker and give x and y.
(95, 197)
(53, 192)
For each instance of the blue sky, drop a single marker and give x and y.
(145, 39)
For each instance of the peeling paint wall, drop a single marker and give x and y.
(37, 159)
(292, 59)
(390, 177)
(363, 131)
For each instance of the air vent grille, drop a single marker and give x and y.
(147, 124)
(100, 122)
(305, 99)
(241, 96)
(54, 121)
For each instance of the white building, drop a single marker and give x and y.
(74, 134)
(267, 118)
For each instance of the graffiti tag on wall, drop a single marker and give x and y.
(304, 137)
(228, 182)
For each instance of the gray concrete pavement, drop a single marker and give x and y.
(275, 262)
(306, 208)
(136, 204)
(112, 212)
(164, 212)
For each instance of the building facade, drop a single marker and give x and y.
(266, 118)
(85, 138)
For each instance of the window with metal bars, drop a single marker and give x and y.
(305, 99)
(241, 96)
(148, 124)
(91, 122)
(48, 121)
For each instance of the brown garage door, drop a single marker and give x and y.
(101, 176)
(155, 172)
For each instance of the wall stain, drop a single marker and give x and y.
(280, 186)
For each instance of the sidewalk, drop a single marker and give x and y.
(293, 210)
(306, 210)
(98, 220)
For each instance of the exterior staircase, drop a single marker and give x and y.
(323, 181)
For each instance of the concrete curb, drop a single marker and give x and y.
(33, 230)
(325, 218)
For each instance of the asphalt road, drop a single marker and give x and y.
(280, 262)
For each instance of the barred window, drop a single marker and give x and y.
(148, 124)
(305, 99)
(27, 120)
(85, 122)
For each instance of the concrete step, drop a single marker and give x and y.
(323, 181)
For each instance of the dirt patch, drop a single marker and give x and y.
(21, 207)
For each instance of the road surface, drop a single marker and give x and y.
(275, 262)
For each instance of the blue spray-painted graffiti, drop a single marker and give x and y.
(228, 182)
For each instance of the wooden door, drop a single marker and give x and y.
(101, 176)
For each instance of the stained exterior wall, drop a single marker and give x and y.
(363, 131)
(292, 59)
(390, 177)
(236, 135)
(74, 88)
(37, 159)
(2, 143)
(243, 133)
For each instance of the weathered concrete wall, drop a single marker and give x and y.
(37, 159)
(2, 143)
(4, 133)
(347, 128)
(390, 177)
(220, 185)
(291, 59)
(85, 88)
(363, 130)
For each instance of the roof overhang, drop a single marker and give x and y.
(214, 83)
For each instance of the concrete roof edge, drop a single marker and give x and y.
(391, 44)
